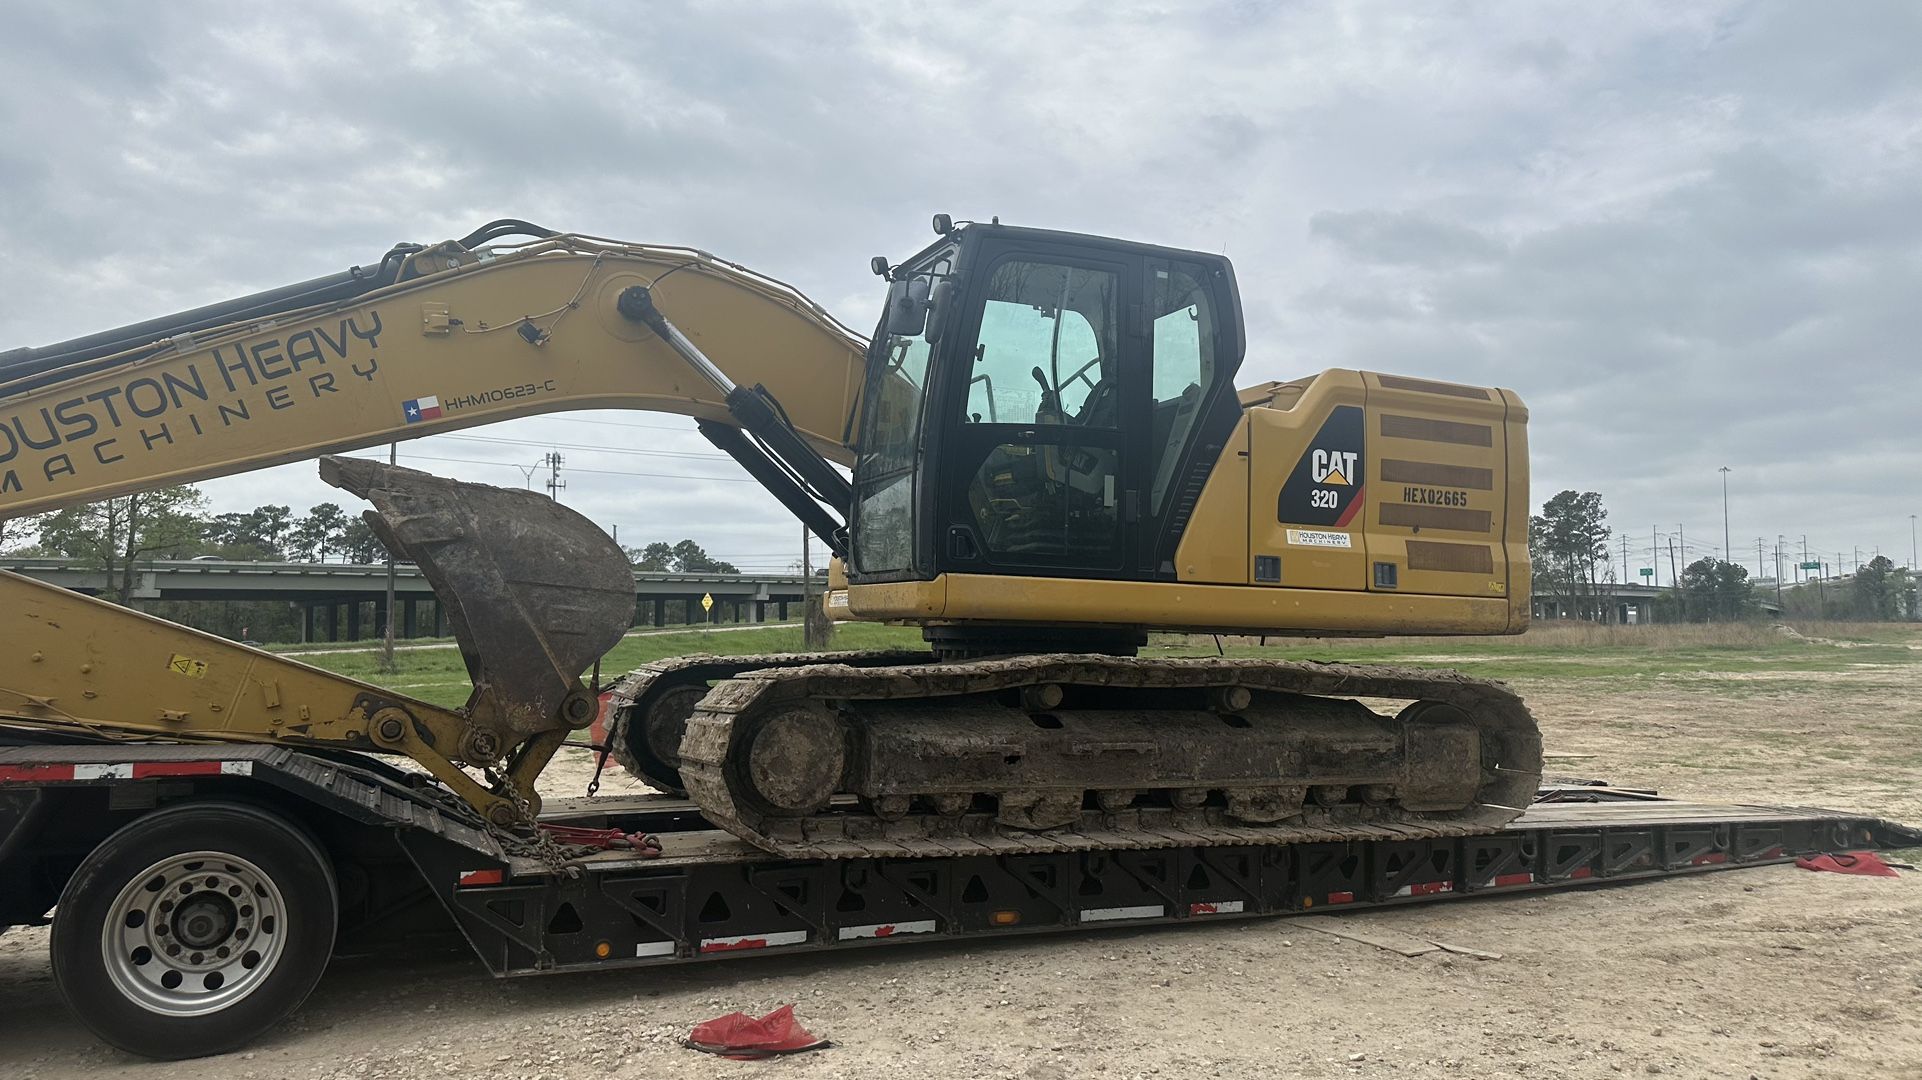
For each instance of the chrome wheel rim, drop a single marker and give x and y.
(194, 933)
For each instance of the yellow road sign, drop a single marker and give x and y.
(707, 601)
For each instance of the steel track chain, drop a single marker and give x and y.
(1500, 713)
(635, 693)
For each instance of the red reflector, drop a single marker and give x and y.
(1503, 880)
(1713, 858)
(1341, 898)
(1581, 872)
(482, 877)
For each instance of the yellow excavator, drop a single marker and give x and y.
(1046, 458)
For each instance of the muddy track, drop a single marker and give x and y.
(713, 763)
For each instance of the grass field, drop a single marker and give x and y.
(1732, 659)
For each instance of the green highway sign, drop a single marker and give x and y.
(1811, 566)
(1648, 571)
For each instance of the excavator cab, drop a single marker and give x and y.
(1041, 403)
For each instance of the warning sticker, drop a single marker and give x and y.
(188, 666)
(1316, 538)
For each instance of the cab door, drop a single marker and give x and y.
(1038, 477)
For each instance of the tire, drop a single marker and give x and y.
(194, 929)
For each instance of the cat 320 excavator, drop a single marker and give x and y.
(1047, 458)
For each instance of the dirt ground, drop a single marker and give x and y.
(1772, 972)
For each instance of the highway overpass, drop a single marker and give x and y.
(333, 596)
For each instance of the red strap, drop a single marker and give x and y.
(646, 845)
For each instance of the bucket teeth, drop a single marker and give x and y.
(534, 592)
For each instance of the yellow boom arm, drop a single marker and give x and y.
(462, 337)
(475, 337)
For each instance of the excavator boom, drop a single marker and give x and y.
(434, 339)
(461, 338)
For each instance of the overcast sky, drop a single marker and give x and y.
(1690, 235)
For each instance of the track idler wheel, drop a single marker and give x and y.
(794, 760)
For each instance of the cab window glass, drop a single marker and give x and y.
(1047, 349)
(1184, 363)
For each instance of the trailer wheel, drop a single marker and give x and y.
(194, 929)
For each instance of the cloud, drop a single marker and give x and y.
(1687, 235)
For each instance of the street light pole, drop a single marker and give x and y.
(1728, 551)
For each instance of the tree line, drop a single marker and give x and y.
(118, 536)
(1568, 545)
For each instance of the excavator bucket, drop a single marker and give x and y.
(535, 593)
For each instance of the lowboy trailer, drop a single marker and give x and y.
(178, 874)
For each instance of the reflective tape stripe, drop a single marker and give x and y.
(654, 948)
(1109, 914)
(880, 930)
(470, 878)
(1341, 898)
(123, 770)
(1513, 879)
(1217, 907)
(754, 941)
(36, 772)
(1426, 888)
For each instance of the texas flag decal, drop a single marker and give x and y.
(427, 408)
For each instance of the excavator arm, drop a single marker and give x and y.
(433, 339)
(461, 337)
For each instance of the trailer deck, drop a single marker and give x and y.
(709, 895)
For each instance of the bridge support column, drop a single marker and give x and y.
(353, 621)
(783, 611)
(760, 611)
(660, 611)
(409, 617)
(440, 619)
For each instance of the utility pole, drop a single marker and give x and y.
(1655, 556)
(1675, 582)
(555, 484)
(1758, 557)
(1728, 549)
(527, 474)
(1681, 534)
(1778, 571)
(1805, 549)
(813, 618)
(1624, 558)
(387, 646)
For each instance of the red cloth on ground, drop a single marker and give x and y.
(745, 1038)
(1865, 863)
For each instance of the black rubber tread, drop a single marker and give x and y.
(281, 849)
(639, 688)
(1500, 713)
